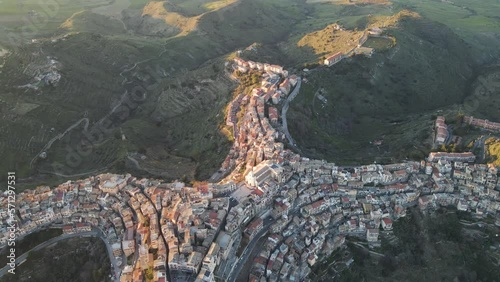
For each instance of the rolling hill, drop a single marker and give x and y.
(388, 97)
(103, 51)
(174, 133)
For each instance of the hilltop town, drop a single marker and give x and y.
(303, 208)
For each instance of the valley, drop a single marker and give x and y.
(175, 132)
(188, 133)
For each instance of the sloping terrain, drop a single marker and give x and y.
(329, 40)
(178, 48)
(156, 19)
(383, 97)
(172, 18)
(75, 259)
(335, 38)
(87, 21)
(475, 22)
(446, 246)
(173, 133)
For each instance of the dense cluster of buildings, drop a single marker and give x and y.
(321, 204)
(302, 208)
(255, 132)
(245, 66)
(163, 227)
(314, 205)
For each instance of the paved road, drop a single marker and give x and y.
(480, 144)
(449, 136)
(246, 253)
(93, 233)
(114, 263)
(285, 109)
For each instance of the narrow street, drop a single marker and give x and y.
(246, 253)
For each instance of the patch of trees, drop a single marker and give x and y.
(70, 260)
(30, 241)
(388, 264)
(445, 226)
(359, 254)
(248, 79)
(411, 240)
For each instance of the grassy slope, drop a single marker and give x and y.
(429, 248)
(476, 22)
(18, 25)
(484, 101)
(177, 125)
(327, 41)
(76, 259)
(87, 21)
(372, 98)
(493, 151)
(83, 58)
(390, 96)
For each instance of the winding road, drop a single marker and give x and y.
(59, 137)
(123, 98)
(285, 109)
(93, 233)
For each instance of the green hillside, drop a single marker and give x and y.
(103, 50)
(388, 97)
(173, 134)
